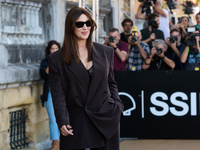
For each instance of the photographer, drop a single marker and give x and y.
(191, 54)
(137, 53)
(198, 18)
(120, 49)
(157, 9)
(174, 46)
(182, 25)
(127, 26)
(158, 60)
(151, 33)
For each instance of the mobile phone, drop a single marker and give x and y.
(191, 29)
(179, 19)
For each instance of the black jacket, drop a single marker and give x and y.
(93, 109)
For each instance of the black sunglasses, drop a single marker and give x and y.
(80, 24)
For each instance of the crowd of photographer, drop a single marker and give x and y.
(160, 45)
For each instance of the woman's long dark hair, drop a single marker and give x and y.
(47, 50)
(70, 45)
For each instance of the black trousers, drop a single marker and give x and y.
(111, 144)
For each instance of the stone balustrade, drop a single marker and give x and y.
(20, 22)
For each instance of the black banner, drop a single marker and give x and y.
(160, 104)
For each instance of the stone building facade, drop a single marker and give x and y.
(25, 28)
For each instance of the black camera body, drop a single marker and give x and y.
(154, 25)
(146, 8)
(192, 40)
(159, 50)
(111, 39)
(134, 39)
(172, 39)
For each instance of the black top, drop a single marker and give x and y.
(174, 57)
(90, 72)
(146, 34)
(124, 37)
(159, 64)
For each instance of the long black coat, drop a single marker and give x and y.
(93, 109)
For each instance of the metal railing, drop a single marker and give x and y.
(18, 129)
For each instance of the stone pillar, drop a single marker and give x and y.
(102, 33)
(19, 16)
(23, 15)
(3, 57)
(3, 13)
(13, 15)
(115, 14)
(57, 10)
(8, 16)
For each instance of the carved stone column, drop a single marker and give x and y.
(14, 15)
(102, 33)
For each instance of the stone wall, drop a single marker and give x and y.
(20, 22)
(18, 97)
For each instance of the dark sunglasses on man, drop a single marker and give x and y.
(80, 24)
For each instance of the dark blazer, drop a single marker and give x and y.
(93, 108)
(45, 76)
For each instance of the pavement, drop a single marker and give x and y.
(160, 144)
(141, 144)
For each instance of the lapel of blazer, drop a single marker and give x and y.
(99, 67)
(81, 73)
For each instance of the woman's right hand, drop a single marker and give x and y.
(66, 130)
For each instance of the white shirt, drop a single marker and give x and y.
(164, 24)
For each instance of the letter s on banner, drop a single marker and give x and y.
(159, 103)
(176, 102)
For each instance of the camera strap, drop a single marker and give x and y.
(159, 64)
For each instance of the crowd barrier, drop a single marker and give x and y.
(160, 104)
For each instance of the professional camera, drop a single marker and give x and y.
(159, 50)
(147, 6)
(172, 39)
(134, 39)
(192, 40)
(134, 33)
(154, 25)
(111, 39)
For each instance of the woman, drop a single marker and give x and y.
(46, 97)
(183, 27)
(85, 96)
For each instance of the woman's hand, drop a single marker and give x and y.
(66, 130)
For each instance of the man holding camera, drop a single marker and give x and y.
(127, 26)
(158, 60)
(174, 46)
(120, 49)
(191, 53)
(157, 9)
(151, 33)
(137, 53)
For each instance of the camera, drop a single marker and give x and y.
(192, 40)
(111, 39)
(134, 33)
(147, 6)
(172, 39)
(154, 25)
(134, 39)
(159, 50)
